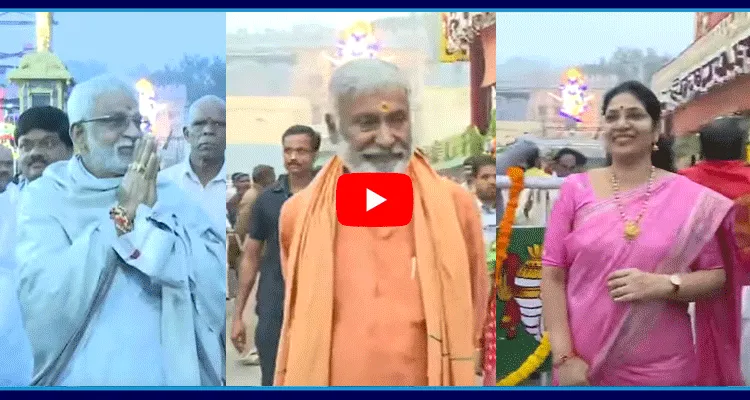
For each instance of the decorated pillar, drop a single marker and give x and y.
(470, 36)
(41, 77)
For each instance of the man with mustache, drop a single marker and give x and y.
(202, 175)
(121, 275)
(392, 306)
(43, 139)
(261, 250)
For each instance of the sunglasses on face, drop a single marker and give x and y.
(118, 121)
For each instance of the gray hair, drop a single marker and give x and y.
(82, 99)
(364, 76)
(208, 99)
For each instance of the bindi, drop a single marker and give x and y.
(385, 107)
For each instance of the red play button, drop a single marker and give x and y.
(374, 199)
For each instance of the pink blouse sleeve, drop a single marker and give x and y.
(559, 225)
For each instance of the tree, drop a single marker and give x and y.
(200, 75)
(630, 64)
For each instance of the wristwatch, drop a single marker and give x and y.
(676, 282)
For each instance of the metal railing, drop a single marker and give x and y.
(503, 182)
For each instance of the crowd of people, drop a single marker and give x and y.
(339, 305)
(112, 270)
(656, 259)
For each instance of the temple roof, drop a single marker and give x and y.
(42, 65)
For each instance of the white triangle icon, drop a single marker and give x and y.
(373, 200)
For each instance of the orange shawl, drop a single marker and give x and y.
(443, 272)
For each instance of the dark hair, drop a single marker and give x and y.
(532, 158)
(480, 161)
(724, 138)
(303, 130)
(580, 158)
(47, 118)
(662, 158)
(238, 175)
(642, 93)
(263, 172)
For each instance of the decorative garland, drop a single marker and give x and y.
(537, 358)
(506, 225)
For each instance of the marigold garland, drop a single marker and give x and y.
(506, 225)
(532, 363)
(537, 358)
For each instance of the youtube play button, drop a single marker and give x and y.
(374, 199)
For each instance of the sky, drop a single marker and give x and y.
(258, 22)
(566, 38)
(124, 40)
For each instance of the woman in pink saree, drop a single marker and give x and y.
(627, 248)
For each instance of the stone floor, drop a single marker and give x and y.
(237, 373)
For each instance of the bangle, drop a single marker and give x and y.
(123, 224)
(565, 358)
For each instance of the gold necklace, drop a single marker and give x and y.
(632, 227)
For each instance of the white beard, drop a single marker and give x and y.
(354, 161)
(107, 159)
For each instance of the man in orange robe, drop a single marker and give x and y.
(380, 306)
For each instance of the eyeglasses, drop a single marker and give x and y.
(119, 121)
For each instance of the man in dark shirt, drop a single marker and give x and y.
(301, 144)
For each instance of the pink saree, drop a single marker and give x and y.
(686, 228)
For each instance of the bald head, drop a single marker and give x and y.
(206, 130)
(6, 167)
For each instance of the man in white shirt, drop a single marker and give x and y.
(483, 178)
(203, 174)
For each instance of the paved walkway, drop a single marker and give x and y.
(237, 373)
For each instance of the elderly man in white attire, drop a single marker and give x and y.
(203, 174)
(122, 279)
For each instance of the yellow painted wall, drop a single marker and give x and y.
(262, 120)
(445, 112)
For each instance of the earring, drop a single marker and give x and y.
(656, 147)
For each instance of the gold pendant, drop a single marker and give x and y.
(631, 230)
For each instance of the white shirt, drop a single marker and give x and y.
(211, 197)
(8, 200)
(489, 223)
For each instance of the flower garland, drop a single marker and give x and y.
(536, 359)
(506, 225)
